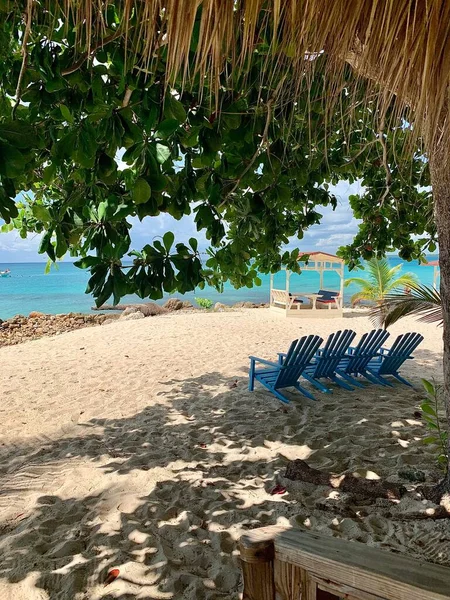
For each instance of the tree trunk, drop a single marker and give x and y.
(440, 180)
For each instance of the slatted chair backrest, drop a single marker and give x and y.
(367, 349)
(334, 351)
(400, 351)
(298, 357)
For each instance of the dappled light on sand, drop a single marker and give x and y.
(136, 447)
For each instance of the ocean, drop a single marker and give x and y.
(62, 290)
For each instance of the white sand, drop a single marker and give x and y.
(137, 446)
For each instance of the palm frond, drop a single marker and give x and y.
(381, 280)
(364, 283)
(406, 280)
(423, 302)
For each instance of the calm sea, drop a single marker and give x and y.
(62, 290)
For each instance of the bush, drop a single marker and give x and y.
(437, 435)
(204, 302)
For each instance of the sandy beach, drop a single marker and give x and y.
(137, 446)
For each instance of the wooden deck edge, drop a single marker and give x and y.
(370, 570)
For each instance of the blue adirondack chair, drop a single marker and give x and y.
(390, 360)
(327, 360)
(277, 376)
(358, 358)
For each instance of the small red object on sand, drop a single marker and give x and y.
(278, 489)
(113, 574)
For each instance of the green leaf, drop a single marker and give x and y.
(431, 439)
(176, 109)
(168, 240)
(162, 153)
(18, 133)
(12, 162)
(193, 243)
(66, 113)
(166, 128)
(41, 213)
(102, 210)
(429, 410)
(49, 173)
(142, 191)
(429, 387)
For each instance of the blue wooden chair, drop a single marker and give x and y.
(287, 373)
(390, 360)
(358, 358)
(327, 360)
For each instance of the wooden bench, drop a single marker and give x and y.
(282, 298)
(280, 564)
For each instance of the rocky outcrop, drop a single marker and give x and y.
(21, 329)
(148, 309)
(131, 316)
(174, 304)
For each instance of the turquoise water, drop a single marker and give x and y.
(62, 290)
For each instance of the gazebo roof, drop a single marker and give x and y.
(321, 257)
(431, 263)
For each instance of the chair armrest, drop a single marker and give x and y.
(281, 356)
(265, 362)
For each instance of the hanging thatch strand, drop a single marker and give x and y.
(404, 45)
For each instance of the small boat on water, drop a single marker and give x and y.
(5, 273)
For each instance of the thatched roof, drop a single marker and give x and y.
(402, 44)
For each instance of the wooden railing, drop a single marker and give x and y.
(280, 564)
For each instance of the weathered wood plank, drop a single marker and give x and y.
(343, 591)
(383, 574)
(288, 580)
(257, 557)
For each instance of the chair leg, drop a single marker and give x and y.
(251, 376)
(279, 395)
(349, 378)
(402, 379)
(377, 379)
(316, 383)
(340, 382)
(303, 391)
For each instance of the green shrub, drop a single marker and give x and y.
(431, 407)
(204, 302)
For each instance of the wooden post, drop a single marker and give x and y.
(271, 288)
(257, 556)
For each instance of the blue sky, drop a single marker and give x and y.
(336, 229)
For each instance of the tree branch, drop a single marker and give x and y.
(79, 63)
(24, 53)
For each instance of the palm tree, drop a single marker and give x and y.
(381, 281)
(421, 300)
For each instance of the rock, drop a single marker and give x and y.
(187, 304)
(34, 314)
(219, 306)
(150, 309)
(131, 316)
(414, 475)
(129, 311)
(173, 304)
(244, 305)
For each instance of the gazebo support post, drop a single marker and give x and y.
(288, 276)
(271, 288)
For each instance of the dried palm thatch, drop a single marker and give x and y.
(401, 44)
